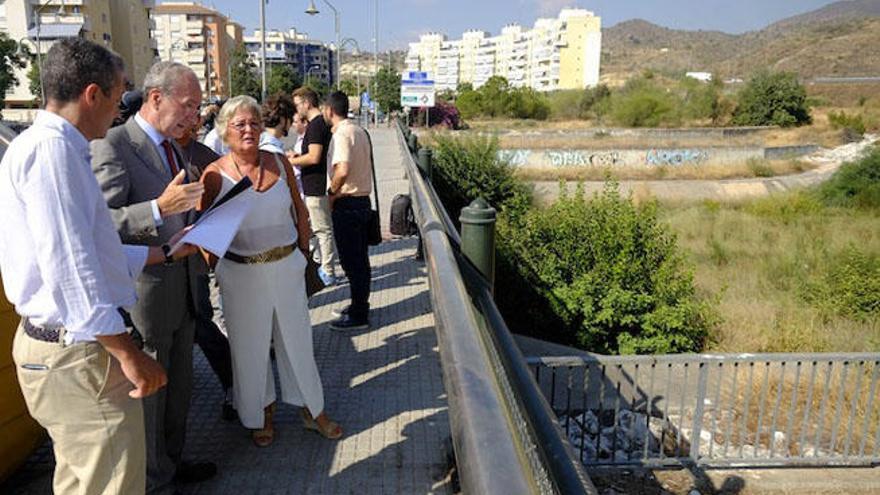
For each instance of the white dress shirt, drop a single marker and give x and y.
(60, 255)
(157, 138)
(212, 140)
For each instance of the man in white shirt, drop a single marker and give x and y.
(67, 273)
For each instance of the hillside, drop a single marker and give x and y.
(840, 39)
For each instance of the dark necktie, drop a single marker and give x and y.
(169, 154)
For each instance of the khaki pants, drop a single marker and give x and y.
(81, 398)
(322, 227)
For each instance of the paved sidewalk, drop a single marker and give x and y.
(383, 385)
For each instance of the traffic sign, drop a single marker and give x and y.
(417, 90)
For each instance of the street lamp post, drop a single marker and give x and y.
(355, 53)
(312, 10)
(263, 46)
(376, 63)
(309, 72)
(39, 55)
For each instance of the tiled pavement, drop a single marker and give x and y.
(383, 385)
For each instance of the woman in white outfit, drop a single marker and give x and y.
(262, 280)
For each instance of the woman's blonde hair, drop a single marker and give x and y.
(231, 107)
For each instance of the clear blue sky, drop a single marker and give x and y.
(401, 21)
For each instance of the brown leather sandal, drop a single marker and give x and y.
(264, 436)
(330, 431)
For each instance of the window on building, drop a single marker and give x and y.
(104, 18)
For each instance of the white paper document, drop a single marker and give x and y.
(217, 226)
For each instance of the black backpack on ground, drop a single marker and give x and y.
(403, 220)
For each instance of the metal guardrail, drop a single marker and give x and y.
(746, 410)
(506, 438)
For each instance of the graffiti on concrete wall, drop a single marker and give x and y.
(676, 157)
(517, 158)
(577, 158)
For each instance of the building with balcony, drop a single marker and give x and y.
(201, 38)
(311, 59)
(559, 53)
(121, 25)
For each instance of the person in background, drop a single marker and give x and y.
(262, 279)
(208, 336)
(350, 185)
(313, 165)
(67, 273)
(212, 138)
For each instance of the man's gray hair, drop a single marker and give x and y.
(232, 107)
(165, 76)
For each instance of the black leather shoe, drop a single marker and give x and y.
(346, 322)
(229, 413)
(195, 472)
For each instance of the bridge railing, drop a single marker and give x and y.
(726, 410)
(505, 436)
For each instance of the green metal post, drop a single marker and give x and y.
(426, 162)
(478, 237)
(413, 142)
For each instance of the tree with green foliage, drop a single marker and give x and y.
(350, 87)
(11, 58)
(34, 83)
(772, 98)
(387, 89)
(468, 101)
(643, 103)
(282, 79)
(244, 74)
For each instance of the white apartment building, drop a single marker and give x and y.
(559, 53)
(309, 58)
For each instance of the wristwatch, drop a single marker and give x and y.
(166, 250)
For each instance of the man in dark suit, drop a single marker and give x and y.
(151, 192)
(214, 344)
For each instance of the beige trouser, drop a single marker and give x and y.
(81, 398)
(322, 227)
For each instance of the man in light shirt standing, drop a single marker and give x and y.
(67, 273)
(350, 184)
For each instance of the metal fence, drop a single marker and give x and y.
(744, 410)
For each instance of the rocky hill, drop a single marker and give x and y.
(840, 39)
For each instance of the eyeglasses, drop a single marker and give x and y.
(242, 126)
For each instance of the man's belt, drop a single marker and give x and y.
(42, 334)
(269, 256)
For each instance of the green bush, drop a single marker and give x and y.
(571, 104)
(599, 273)
(469, 168)
(496, 98)
(642, 103)
(855, 184)
(843, 121)
(611, 273)
(849, 287)
(772, 99)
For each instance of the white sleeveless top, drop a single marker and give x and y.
(268, 224)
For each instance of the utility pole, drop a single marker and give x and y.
(376, 64)
(263, 46)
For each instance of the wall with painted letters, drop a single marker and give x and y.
(648, 157)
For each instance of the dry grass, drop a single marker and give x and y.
(752, 168)
(754, 263)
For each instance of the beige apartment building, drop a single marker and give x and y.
(559, 53)
(200, 37)
(121, 25)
